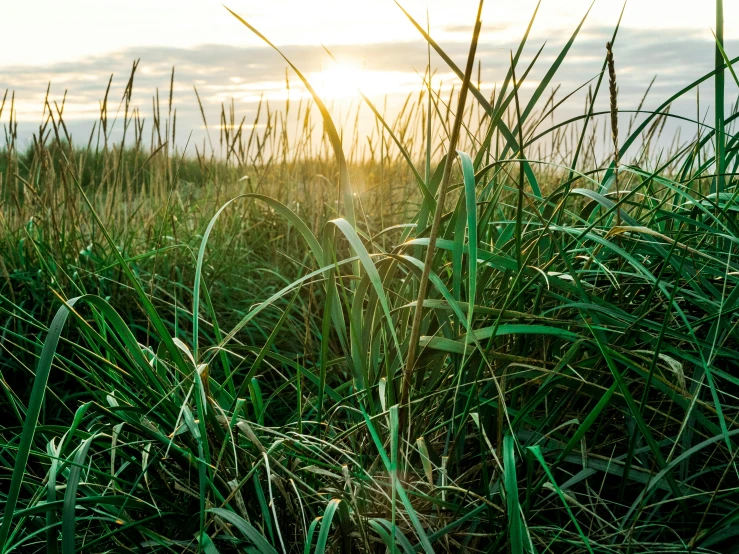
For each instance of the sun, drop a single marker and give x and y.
(347, 80)
(339, 80)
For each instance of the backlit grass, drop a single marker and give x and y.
(474, 334)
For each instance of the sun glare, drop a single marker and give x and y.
(339, 80)
(346, 80)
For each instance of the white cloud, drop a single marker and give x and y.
(222, 72)
(48, 31)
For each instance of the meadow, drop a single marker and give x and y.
(474, 330)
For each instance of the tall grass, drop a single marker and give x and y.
(285, 345)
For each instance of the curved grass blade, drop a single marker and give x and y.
(70, 497)
(245, 528)
(32, 414)
(330, 128)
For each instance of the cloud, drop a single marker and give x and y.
(467, 29)
(221, 72)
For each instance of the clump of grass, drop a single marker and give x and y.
(227, 367)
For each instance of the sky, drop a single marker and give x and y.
(77, 44)
(49, 31)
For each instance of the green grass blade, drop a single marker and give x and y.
(538, 455)
(70, 498)
(32, 414)
(511, 486)
(245, 528)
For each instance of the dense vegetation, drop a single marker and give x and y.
(274, 346)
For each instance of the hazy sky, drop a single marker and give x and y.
(77, 44)
(47, 31)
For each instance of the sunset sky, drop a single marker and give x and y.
(77, 44)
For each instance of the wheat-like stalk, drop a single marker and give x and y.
(613, 93)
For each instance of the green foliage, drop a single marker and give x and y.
(225, 366)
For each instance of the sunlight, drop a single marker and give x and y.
(339, 80)
(346, 80)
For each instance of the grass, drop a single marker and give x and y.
(298, 343)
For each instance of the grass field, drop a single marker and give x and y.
(288, 340)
